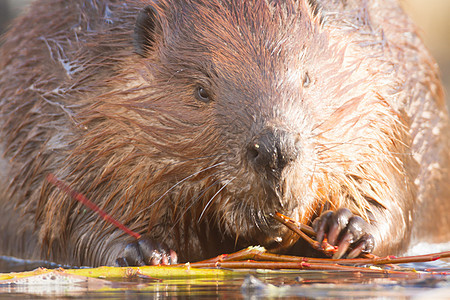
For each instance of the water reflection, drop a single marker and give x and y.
(242, 285)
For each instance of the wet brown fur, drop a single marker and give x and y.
(126, 130)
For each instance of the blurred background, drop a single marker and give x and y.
(432, 16)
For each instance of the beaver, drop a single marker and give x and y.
(191, 122)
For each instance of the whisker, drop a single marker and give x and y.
(359, 162)
(325, 147)
(337, 144)
(209, 202)
(198, 197)
(178, 183)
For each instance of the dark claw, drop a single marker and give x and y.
(344, 244)
(344, 230)
(337, 223)
(320, 225)
(146, 251)
(364, 245)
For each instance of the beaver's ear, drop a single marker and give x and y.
(147, 24)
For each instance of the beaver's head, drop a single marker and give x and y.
(273, 110)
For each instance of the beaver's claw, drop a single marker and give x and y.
(345, 230)
(145, 251)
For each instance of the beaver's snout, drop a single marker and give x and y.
(271, 151)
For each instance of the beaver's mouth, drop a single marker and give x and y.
(263, 229)
(277, 237)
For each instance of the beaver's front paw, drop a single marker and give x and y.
(344, 230)
(145, 251)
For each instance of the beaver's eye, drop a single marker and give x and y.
(306, 80)
(202, 94)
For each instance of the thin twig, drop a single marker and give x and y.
(296, 227)
(260, 254)
(86, 202)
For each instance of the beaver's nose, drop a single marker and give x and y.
(271, 151)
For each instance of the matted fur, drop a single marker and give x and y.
(126, 130)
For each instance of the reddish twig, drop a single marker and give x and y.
(355, 261)
(299, 228)
(86, 202)
(247, 253)
(260, 254)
